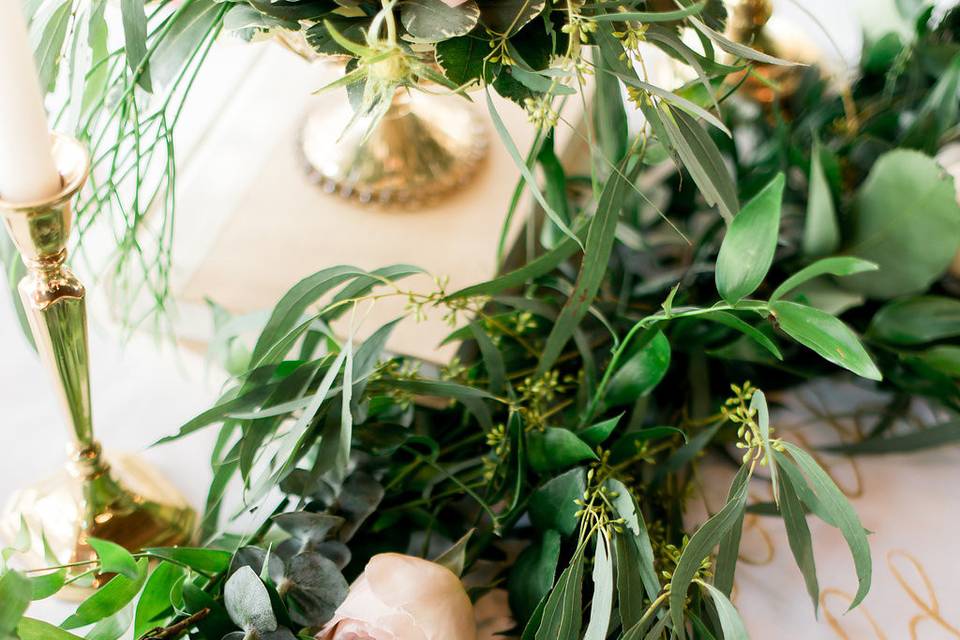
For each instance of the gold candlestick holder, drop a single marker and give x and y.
(125, 502)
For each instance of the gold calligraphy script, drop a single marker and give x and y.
(919, 590)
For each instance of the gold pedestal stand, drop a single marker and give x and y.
(424, 147)
(126, 503)
(750, 23)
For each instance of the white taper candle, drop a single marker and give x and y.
(27, 170)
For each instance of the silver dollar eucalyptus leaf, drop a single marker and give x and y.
(248, 602)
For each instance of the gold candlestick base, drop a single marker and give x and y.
(423, 148)
(127, 504)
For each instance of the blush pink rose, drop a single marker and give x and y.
(453, 3)
(400, 597)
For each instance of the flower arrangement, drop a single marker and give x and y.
(127, 101)
(556, 455)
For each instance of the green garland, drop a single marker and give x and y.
(592, 377)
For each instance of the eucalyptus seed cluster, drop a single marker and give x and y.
(596, 504)
(669, 556)
(536, 398)
(631, 37)
(499, 443)
(540, 111)
(737, 409)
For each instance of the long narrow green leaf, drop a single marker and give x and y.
(561, 614)
(602, 603)
(726, 564)
(730, 621)
(842, 514)
(286, 314)
(492, 359)
(737, 49)
(511, 148)
(108, 599)
(732, 321)
(15, 592)
(533, 269)
(698, 548)
(837, 266)
(699, 154)
(653, 16)
(798, 535)
(639, 554)
(31, 629)
(596, 258)
(821, 231)
(135, 39)
(926, 438)
(679, 102)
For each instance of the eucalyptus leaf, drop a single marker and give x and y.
(561, 614)
(821, 231)
(701, 543)
(907, 221)
(842, 514)
(309, 527)
(48, 41)
(531, 576)
(553, 505)
(931, 437)
(602, 603)
(729, 551)
(314, 588)
(556, 448)
(248, 602)
(642, 370)
(135, 40)
(798, 536)
(747, 250)
(434, 20)
(917, 320)
(730, 621)
(599, 246)
(634, 553)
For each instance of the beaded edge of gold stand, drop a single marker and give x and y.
(423, 149)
